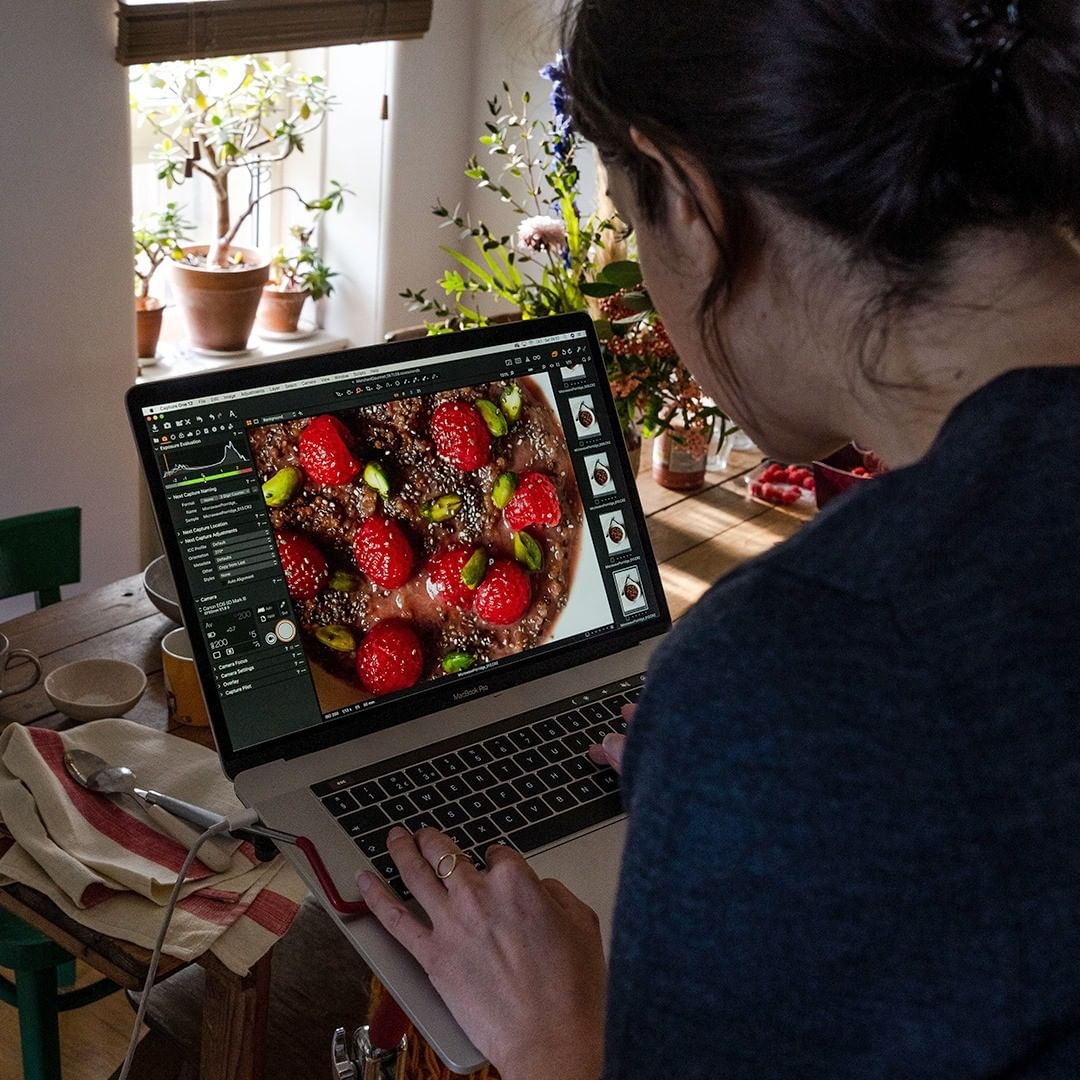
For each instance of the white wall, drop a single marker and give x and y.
(66, 321)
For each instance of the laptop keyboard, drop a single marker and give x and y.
(525, 782)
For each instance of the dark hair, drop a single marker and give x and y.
(876, 120)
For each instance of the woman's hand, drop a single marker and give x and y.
(518, 961)
(610, 751)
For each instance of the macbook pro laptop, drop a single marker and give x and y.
(418, 584)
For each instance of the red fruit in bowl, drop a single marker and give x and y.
(504, 594)
(383, 552)
(536, 502)
(460, 435)
(445, 582)
(304, 565)
(326, 446)
(389, 657)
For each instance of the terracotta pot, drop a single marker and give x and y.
(148, 312)
(280, 309)
(219, 306)
(679, 463)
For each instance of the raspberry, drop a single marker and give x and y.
(536, 502)
(389, 657)
(326, 446)
(383, 552)
(303, 563)
(444, 577)
(504, 594)
(460, 435)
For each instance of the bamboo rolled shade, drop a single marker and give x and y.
(150, 30)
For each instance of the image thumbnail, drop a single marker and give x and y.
(615, 535)
(631, 593)
(585, 420)
(572, 372)
(600, 477)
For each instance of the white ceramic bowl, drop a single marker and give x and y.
(92, 689)
(160, 587)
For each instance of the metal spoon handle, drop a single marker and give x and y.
(197, 815)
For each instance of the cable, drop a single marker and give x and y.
(155, 959)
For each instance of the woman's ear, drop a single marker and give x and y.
(688, 188)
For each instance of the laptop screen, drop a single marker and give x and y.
(364, 536)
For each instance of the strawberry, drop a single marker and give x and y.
(303, 563)
(460, 435)
(536, 502)
(389, 657)
(326, 446)
(445, 582)
(504, 594)
(383, 552)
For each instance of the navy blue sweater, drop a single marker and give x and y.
(854, 782)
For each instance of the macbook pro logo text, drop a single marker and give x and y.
(461, 695)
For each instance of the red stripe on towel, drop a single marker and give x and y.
(108, 818)
(273, 912)
(97, 893)
(210, 909)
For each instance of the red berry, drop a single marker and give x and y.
(389, 657)
(504, 594)
(383, 552)
(810, 484)
(444, 577)
(303, 563)
(460, 435)
(326, 446)
(536, 502)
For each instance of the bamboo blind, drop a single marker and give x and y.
(150, 30)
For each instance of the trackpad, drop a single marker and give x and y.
(589, 868)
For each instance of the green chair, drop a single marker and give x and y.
(38, 554)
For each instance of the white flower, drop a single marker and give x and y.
(541, 233)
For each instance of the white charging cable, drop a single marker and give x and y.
(238, 821)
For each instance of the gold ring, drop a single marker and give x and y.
(439, 873)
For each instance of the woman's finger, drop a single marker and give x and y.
(609, 752)
(416, 870)
(406, 929)
(447, 861)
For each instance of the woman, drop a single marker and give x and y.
(853, 780)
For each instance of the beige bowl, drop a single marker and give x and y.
(92, 689)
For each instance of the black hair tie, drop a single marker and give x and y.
(995, 30)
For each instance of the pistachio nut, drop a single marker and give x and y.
(503, 491)
(510, 401)
(496, 422)
(375, 477)
(338, 638)
(472, 573)
(527, 551)
(343, 581)
(282, 486)
(441, 509)
(454, 662)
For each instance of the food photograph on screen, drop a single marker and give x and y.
(429, 535)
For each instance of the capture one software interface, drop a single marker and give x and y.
(357, 537)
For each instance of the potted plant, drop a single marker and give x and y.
(212, 120)
(297, 272)
(560, 260)
(156, 237)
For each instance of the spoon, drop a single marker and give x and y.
(96, 774)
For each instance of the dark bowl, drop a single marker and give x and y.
(834, 476)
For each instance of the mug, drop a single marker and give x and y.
(7, 654)
(182, 689)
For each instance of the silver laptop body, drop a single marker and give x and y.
(286, 715)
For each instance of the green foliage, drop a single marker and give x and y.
(533, 171)
(300, 266)
(157, 237)
(213, 117)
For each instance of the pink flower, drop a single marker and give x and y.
(541, 233)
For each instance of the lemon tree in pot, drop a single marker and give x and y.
(297, 271)
(214, 120)
(157, 237)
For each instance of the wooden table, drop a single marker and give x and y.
(697, 538)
